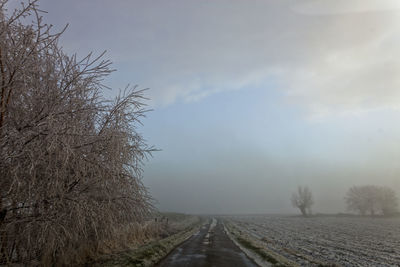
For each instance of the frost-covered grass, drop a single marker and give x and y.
(326, 240)
(167, 235)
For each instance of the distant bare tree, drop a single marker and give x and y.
(362, 199)
(388, 201)
(371, 199)
(70, 160)
(303, 200)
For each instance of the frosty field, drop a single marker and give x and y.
(344, 241)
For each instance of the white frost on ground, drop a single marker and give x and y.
(213, 224)
(210, 230)
(256, 258)
(347, 241)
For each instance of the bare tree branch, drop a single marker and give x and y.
(70, 160)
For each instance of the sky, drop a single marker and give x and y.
(251, 99)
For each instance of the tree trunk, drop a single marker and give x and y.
(303, 211)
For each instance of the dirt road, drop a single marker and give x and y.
(209, 247)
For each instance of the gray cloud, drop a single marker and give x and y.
(327, 56)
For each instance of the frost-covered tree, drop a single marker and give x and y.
(70, 160)
(303, 200)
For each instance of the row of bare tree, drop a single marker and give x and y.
(70, 160)
(367, 199)
(372, 199)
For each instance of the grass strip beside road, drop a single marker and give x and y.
(151, 253)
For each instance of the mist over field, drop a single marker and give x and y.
(253, 99)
